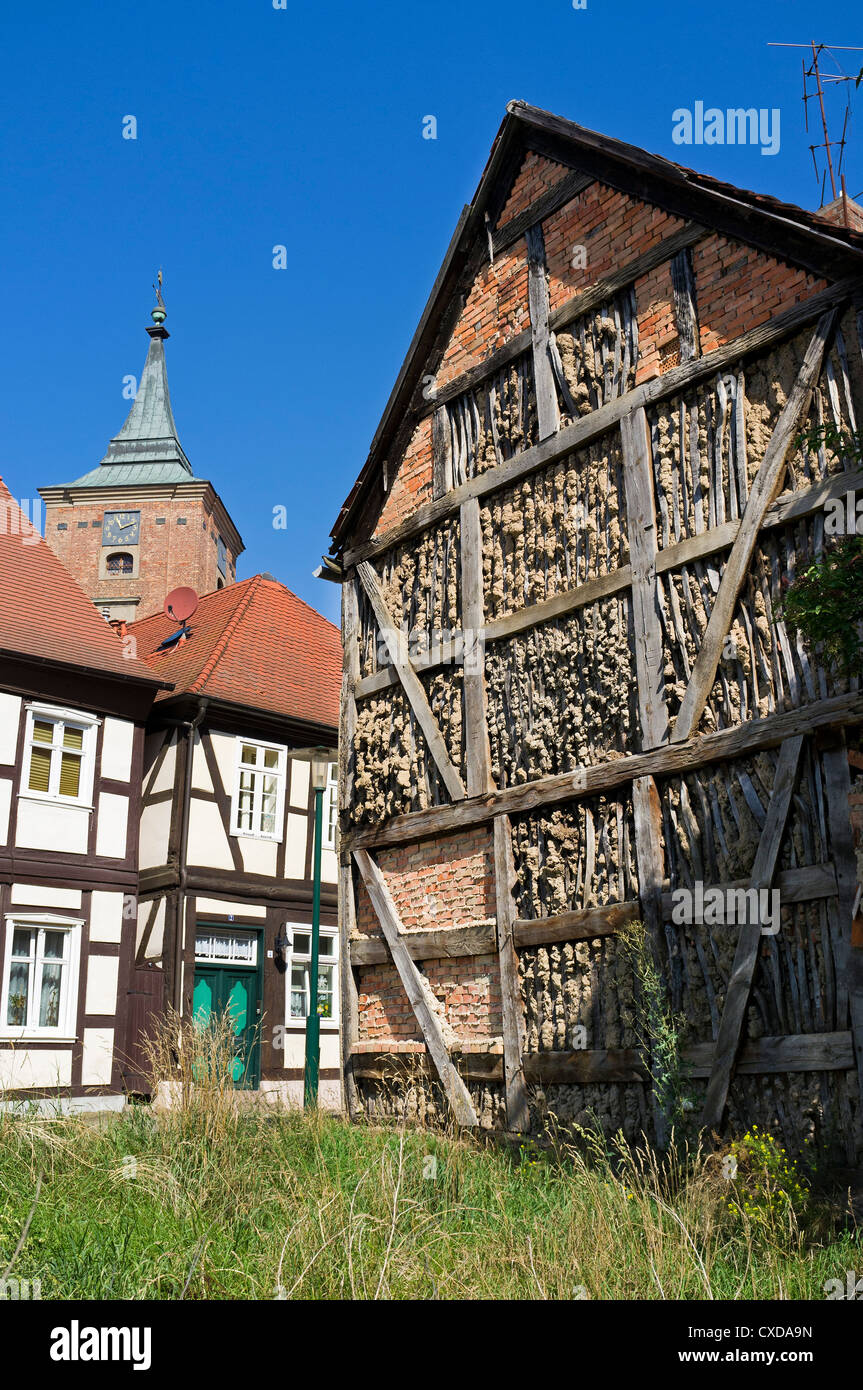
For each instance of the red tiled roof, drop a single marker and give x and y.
(253, 643)
(43, 611)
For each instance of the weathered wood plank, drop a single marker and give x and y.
(563, 192)
(477, 750)
(348, 705)
(646, 616)
(790, 1052)
(441, 462)
(429, 1023)
(583, 924)
(547, 409)
(669, 760)
(837, 785)
(683, 288)
(438, 943)
(591, 427)
(647, 815)
(396, 641)
(765, 1056)
(517, 1113)
(749, 939)
(349, 1001)
(762, 493)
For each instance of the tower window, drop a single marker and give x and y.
(120, 562)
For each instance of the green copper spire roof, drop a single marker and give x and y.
(147, 449)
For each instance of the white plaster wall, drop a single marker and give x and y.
(102, 976)
(21, 1067)
(117, 741)
(223, 908)
(300, 774)
(223, 746)
(329, 866)
(208, 840)
(97, 1056)
(111, 828)
(295, 849)
(106, 916)
(201, 778)
(10, 718)
(39, 895)
(157, 935)
(155, 830)
(5, 808)
(259, 856)
(164, 779)
(47, 825)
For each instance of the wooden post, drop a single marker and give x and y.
(646, 618)
(746, 955)
(647, 814)
(349, 1011)
(376, 886)
(547, 409)
(517, 1112)
(477, 750)
(767, 483)
(837, 781)
(348, 705)
(398, 649)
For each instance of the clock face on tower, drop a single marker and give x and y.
(121, 528)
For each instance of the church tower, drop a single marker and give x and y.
(141, 523)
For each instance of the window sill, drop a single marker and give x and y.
(45, 800)
(36, 1036)
(250, 835)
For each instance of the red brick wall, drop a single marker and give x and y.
(412, 484)
(612, 227)
(496, 310)
(436, 883)
(171, 554)
(535, 177)
(737, 288)
(468, 989)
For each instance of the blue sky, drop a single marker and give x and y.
(303, 127)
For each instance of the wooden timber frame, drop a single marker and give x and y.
(669, 747)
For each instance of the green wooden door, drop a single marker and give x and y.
(221, 987)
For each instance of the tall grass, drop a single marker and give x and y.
(211, 1199)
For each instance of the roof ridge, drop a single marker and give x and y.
(227, 632)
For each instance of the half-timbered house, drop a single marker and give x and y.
(73, 705)
(227, 827)
(569, 692)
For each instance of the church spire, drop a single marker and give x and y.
(149, 435)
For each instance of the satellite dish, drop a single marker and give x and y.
(181, 604)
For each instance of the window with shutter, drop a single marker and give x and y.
(59, 754)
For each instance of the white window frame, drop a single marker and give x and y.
(331, 809)
(280, 774)
(303, 958)
(234, 935)
(60, 717)
(65, 1029)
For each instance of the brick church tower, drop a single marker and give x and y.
(141, 523)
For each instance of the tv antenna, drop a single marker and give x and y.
(814, 83)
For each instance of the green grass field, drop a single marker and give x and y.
(232, 1203)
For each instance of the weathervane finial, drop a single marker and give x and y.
(159, 314)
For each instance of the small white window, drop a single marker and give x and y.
(40, 975)
(331, 808)
(226, 947)
(299, 973)
(259, 795)
(59, 755)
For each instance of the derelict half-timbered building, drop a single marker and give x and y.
(568, 691)
(227, 825)
(73, 707)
